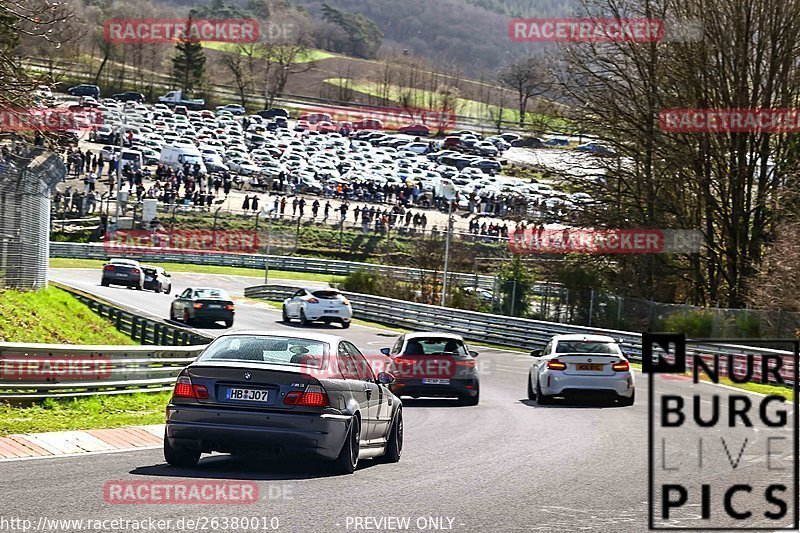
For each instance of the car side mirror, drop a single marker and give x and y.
(385, 378)
(473, 353)
(536, 353)
(385, 351)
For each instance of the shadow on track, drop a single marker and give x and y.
(244, 467)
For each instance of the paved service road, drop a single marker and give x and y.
(504, 465)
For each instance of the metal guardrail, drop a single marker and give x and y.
(143, 329)
(30, 372)
(519, 333)
(255, 261)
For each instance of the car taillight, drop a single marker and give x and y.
(313, 396)
(201, 392)
(469, 363)
(108, 267)
(183, 388)
(229, 307)
(622, 366)
(135, 271)
(198, 305)
(313, 301)
(345, 301)
(555, 364)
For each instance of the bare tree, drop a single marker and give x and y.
(529, 78)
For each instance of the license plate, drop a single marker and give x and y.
(594, 368)
(331, 311)
(214, 306)
(435, 381)
(121, 275)
(250, 395)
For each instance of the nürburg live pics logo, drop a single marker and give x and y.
(723, 434)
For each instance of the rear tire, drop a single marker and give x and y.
(531, 392)
(178, 457)
(345, 325)
(394, 445)
(471, 400)
(347, 461)
(542, 399)
(139, 287)
(627, 402)
(186, 320)
(303, 320)
(229, 323)
(160, 288)
(169, 289)
(104, 283)
(286, 318)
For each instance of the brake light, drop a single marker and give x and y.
(313, 396)
(108, 267)
(135, 271)
(229, 307)
(198, 305)
(469, 363)
(555, 364)
(183, 388)
(622, 366)
(313, 301)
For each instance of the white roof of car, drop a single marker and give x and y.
(436, 334)
(584, 337)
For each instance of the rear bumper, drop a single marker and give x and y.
(130, 281)
(460, 388)
(557, 383)
(223, 430)
(343, 315)
(213, 314)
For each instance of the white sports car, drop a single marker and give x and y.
(571, 364)
(325, 305)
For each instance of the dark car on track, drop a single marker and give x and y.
(157, 279)
(202, 304)
(274, 113)
(279, 394)
(84, 90)
(130, 96)
(434, 364)
(123, 272)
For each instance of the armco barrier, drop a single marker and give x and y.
(29, 372)
(519, 333)
(256, 261)
(139, 328)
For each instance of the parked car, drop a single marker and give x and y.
(156, 279)
(556, 141)
(202, 304)
(325, 305)
(596, 148)
(279, 394)
(273, 113)
(415, 129)
(434, 364)
(84, 90)
(578, 363)
(130, 96)
(236, 109)
(125, 272)
(530, 142)
(101, 134)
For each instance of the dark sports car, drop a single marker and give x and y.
(205, 304)
(278, 394)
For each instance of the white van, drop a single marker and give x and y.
(176, 156)
(134, 157)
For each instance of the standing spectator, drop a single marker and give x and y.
(254, 205)
(294, 206)
(301, 206)
(315, 208)
(327, 211)
(283, 205)
(246, 203)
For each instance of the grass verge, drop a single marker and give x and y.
(53, 316)
(96, 412)
(57, 262)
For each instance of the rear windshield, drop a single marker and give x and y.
(214, 294)
(326, 295)
(122, 262)
(587, 347)
(270, 350)
(431, 346)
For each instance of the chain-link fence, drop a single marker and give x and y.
(27, 175)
